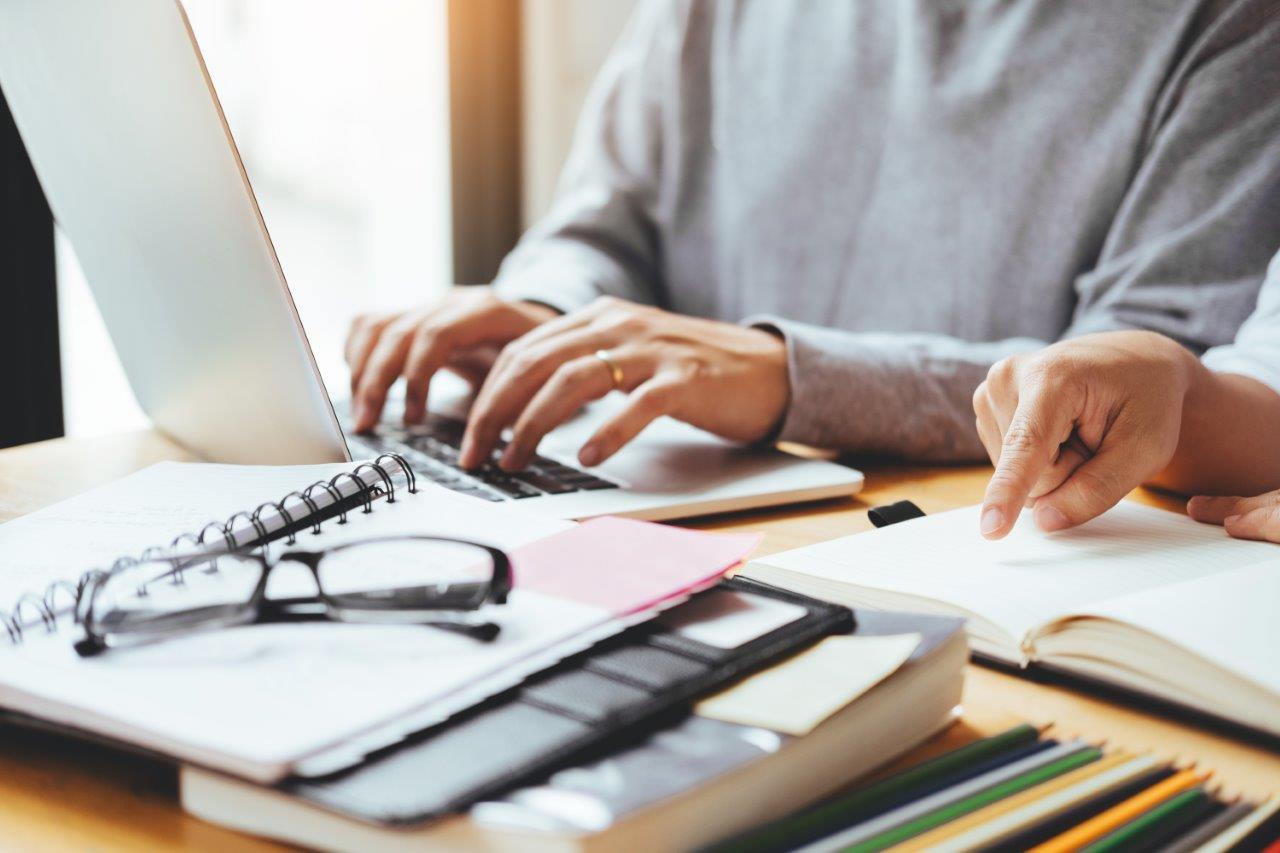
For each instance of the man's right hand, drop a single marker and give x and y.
(1076, 426)
(462, 332)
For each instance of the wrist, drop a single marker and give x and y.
(777, 370)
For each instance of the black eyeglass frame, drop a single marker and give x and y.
(258, 605)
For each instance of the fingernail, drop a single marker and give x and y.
(1050, 518)
(992, 520)
(1230, 520)
(589, 455)
(508, 461)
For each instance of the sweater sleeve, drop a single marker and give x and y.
(599, 237)
(1255, 352)
(1184, 256)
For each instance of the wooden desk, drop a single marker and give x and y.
(56, 794)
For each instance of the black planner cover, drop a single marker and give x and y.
(588, 705)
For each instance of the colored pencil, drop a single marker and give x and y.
(1115, 817)
(913, 783)
(913, 810)
(1242, 828)
(1210, 829)
(1054, 825)
(1262, 836)
(898, 834)
(999, 820)
(1156, 824)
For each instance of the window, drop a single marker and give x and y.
(340, 111)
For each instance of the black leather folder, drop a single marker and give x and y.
(588, 705)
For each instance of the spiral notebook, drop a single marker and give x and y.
(265, 701)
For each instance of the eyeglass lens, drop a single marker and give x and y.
(381, 580)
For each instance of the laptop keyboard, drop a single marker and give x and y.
(432, 448)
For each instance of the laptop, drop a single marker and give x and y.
(126, 134)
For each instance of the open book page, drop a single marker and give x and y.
(1228, 619)
(1030, 577)
(145, 509)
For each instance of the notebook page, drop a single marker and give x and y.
(1029, 577)
(253, 700)
(124, 517)
(1229, 619)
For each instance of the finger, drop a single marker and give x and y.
(513, 382)
(1002, 390)
(380, 373)
(651, 400)
(431, 348)
(1097, 485)
(1071, 456)
(1262, 523)
(1029, 447)
(360, 343)
(1216, 510)
(985, 421)
(571, 387)
(473, 363)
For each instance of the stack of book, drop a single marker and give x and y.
(1024, 790)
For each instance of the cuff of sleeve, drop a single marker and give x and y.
(864, 393)
(1230, 359)
(561, 293)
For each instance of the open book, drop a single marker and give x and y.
(1146, 600)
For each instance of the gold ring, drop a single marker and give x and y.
(615, 372)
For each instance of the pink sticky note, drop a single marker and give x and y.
(626, 566)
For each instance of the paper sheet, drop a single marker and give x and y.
(798, 694)
(726, 619)
(626, 566)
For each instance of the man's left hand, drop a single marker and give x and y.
(727, 379)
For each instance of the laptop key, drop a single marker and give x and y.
(510, 487)
(596, 484)
(545, 482)
(485, 494)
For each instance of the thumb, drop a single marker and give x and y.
(1094, 487)
(1030, 445)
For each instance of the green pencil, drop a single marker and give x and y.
(857, 805)
(1170, 810)
(935, 818)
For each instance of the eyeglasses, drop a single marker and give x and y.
(423, 580)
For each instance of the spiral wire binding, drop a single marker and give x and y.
(44, 609)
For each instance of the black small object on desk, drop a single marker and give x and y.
(883, 516)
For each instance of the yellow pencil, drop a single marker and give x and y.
(995, 810)
(1115, 817)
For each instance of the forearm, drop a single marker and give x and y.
(901, 394)
(567, 274)
(1230, 438)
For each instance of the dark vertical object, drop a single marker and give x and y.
(484, 113)
(30, 368)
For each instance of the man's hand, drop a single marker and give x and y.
(463, 333)
(1244, 518)
(723, 378)
(1076, 426)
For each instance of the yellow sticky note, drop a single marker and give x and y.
(796, 695)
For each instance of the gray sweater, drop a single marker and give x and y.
(911, 190)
